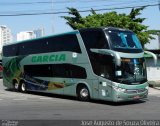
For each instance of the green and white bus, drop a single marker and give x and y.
(97, 63)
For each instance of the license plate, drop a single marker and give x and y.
(136, 97)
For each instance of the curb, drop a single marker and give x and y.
(154, 84)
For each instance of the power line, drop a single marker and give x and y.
(64, 12)
(140, 3)
(133, 3)
(27, 3)
(56, 2)
(48, 2)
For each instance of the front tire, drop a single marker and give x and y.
(83, 93)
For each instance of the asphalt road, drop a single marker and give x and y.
(36, 106)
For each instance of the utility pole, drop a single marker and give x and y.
(159, 39)
(53, 16)
(159, 4)
(159, 31)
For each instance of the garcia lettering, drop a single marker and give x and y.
(49, 58)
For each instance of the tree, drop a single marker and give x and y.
(132, 21)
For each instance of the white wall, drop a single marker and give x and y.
(153, 72)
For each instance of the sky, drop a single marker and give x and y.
(53, 23)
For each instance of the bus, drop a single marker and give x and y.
(92, 63)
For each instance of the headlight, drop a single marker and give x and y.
(122, 89)
(147, 87)
(119, 89)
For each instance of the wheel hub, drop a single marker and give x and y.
(84, 92)
(23, 87)
(16, 86)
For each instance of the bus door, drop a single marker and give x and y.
(103, 67)
(106, 74)
(105, 90)
(95, 89)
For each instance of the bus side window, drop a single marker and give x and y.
(94, 39)
(59, 71)
(102, 65)
(68, 71)
(68, 42)
(38, 70)
(77, 72)
(11, 50)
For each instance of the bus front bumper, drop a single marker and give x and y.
(129, 95)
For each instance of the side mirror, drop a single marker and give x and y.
(109, 52)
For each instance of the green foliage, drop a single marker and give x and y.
(131, 21)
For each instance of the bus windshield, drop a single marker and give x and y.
(131, 71)
(123, 39)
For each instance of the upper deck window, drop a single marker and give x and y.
(66, 42)
(94, 39)
(123, 39)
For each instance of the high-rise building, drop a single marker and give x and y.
(39, 32)
(25, 35)
(30, 34)
(5, 36)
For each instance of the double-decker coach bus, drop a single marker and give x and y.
(98, 63)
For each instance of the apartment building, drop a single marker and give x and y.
(5, 36)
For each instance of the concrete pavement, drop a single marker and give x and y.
(154, 91)
(154, 84)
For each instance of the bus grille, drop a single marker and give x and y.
(135, 91)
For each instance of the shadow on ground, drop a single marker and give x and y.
(91, 101)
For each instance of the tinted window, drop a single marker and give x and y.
(37, 46)
(38, 70)
(94, 39)
(121, 39)
(10, 50)
(102, 65)
(124, 41)
(77, 72)
(70, 71)
(52, 44)
(55, 70)
(66, 42)
(60, 70)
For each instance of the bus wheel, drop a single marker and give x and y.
(16, 86)
(23, 87)
(83, 93)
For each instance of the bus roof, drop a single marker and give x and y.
(71, 32)
(49, 36)
(105, 28)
